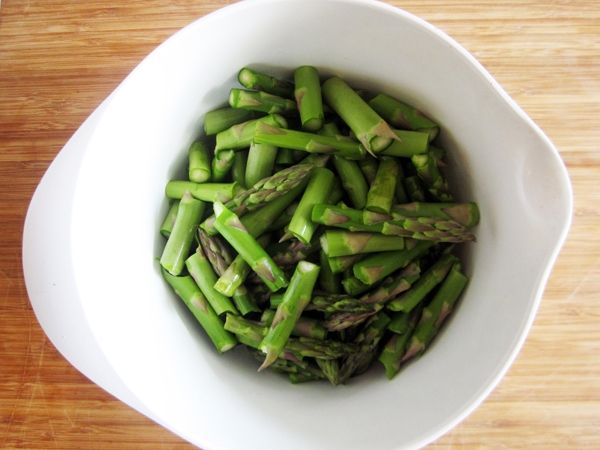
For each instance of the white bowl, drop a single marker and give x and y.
(91, 232)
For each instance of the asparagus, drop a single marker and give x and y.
(222, 164)
(188, 291)
(393, 285)
(260, 163)
(370, 129)
(317, 190)
(400, 194)
(296, 251)
(353, 286)
(392, 353)
(180, 240)
(410, 143)
(220, 259)
(344, 243)
(296, 297)
(436, 311)
(207, 192)
(368, 340)
(427, 169)
(238, 168)
(284, 218)
(428, 228)
(240, 136)
(203, 274)
(230, 227)
(261, 101)
(199, 163)
(167, 225)
(307, 92)
(349, 219)
(309, 142)
(329, 281)
(340, 264)
(368, 166)
(353, 180)
(252, 79)
(424, 285)
(381, 193)
(466, 214)
(414, 188)
(331, 369)
(223, 118)
(380, 265)
(304, 326)
(404, 116)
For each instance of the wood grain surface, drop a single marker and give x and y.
(60, 58)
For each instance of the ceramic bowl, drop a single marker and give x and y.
(91, 233)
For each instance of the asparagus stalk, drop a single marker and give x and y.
(344, 243)
(380, 265)
(400, 192)
(395, 348)
(436, 311)
(317, 190)
(410, 143)
(368, 340)
(466, 214)
(188, 291)
(238, 168)
(304, 327)
(222, 164)
(296, 297)
(427, 169)
(340, 264)
(428, 228)
(261, 160)
(393, 285)
(199, 163)
(203, 274)
(349, 219)
(329, 281)
(169, 221)
(415, 190)
(230, 227)
(424, 285)
(353, 286)
(284, 218)
(252, 79)
(331, 369)
(403, 116)
(207, 192)
(381, 193)
(308, 97)
(296, 251)
(368, 167)
(240, 136)
(223, 118)
(180, 240)
(261, 101)
(285, 157)
(309, 142)
(353, 180)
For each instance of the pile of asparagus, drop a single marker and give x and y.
(316, 228)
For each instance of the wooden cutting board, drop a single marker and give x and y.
(59, 59)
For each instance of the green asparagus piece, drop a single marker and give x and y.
(328, 281)
(331, 369)
(207, 192)
(411, 143)
(307, 92)
(317, 190)
(221, 119)
(304, 327)
(349, 219)
(252, 79)
(284, 157)
(230, 227)
(180, 240)
(284, 218)
(428, 228)
(380, 265)
(240, 136)
(344, 243)
(424, 285)
(392, 353)
(336, 193)
(309, 142)
(199, 163)
(369, 166)
(238, 168)
(261, 101)
(400, 193)
(353, 286)
(296, 251)
(415, 190)
(169, 221)
(353, 180)
(340, 264)
(436, 311)
(381, 192)
(393, 285)
(203, 274)
(296, 297)
(261, 160)
(427, 169)
(370, 129)
(368, 340)
(466, 214)
(188, 291)
(222, 164)
(403, 116)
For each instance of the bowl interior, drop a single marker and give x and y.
(497, 157)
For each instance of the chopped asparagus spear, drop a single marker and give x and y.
(308, 97)
(199, 163)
